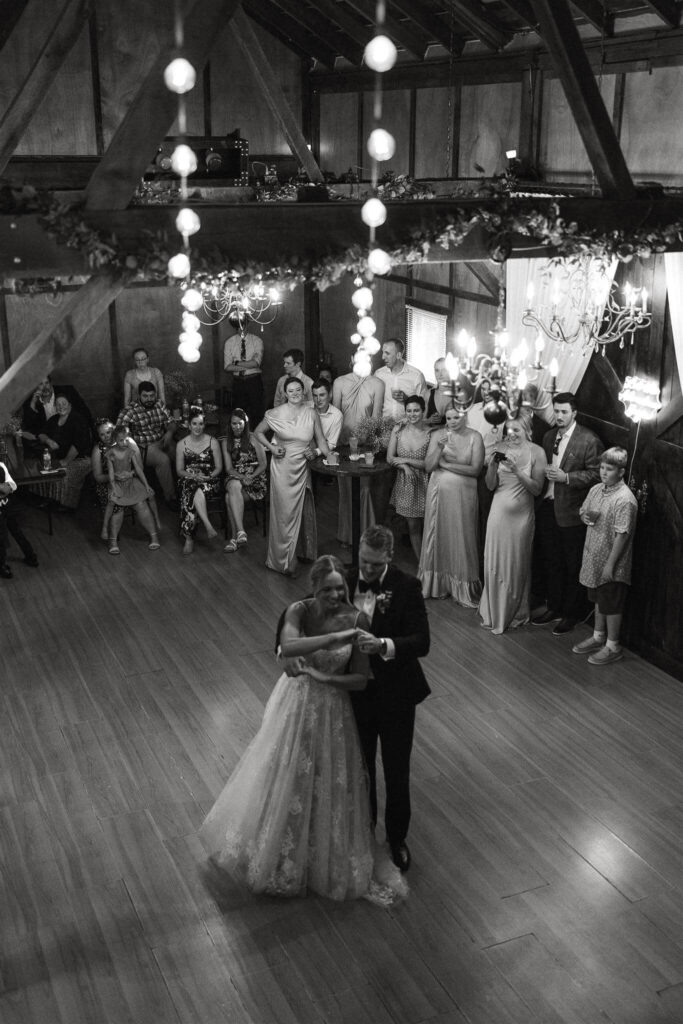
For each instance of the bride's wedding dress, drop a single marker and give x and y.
(294, 815)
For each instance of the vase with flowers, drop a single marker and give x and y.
(374, 432)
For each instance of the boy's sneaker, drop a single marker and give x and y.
(588, 646)
(605, 656)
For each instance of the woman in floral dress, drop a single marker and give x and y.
(245, 471)
(407, 453)
(199, 466)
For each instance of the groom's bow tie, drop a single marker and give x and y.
(373, 585)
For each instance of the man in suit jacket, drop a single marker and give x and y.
(385, 710)
(573, 454)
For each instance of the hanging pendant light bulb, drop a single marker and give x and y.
(189, 353)
(190, 322)
(183, 161)
(193, 338)
(180, 76)
(373, 213)
(379, 261)
(380, 54)
(192, 300)
(179, 265)
(366, 326)
(381, 144)
(362, 298)
(187, 222)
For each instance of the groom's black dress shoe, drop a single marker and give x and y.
(400, 854)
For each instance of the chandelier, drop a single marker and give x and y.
(592, 297)
(213, 298)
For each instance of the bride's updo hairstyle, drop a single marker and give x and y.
(321, 569)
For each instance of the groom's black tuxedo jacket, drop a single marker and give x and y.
(401, 617)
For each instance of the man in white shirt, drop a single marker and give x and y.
(400, 379)
(9, 524)
(330, 418)
(292, 362)
(242, 359)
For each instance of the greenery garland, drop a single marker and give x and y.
(498, 213)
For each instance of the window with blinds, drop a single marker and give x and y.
(425, 338)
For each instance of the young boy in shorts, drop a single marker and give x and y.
(609, 512)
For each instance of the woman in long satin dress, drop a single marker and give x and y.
(295, 814)
(449, 564)
(516, 479)
(292, 511)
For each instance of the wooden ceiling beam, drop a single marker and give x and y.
(346, 21)
(560, 34)
(492, 282)
(338, 40)
(153, 110)
(410, 37)
(80, 311)
(58, 40)
(523, 10)
(10, 12)
(485, 27)
(668, 10)
(596, 15)
(271, 17)
(436, 28)
(273, 94)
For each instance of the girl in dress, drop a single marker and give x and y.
(516, 475)
(245, 471)
(295, 815)
(449, 563)
(407, 452)
(199, 466)
(128, 487)
(292, 511)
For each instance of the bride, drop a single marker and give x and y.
(295, 814)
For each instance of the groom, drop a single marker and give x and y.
(385, 710)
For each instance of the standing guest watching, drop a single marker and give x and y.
(142, 372)
(292, 362)
(573, 454)
(151, 426)
(242, 359)
(400, 379)
(609, 512)
(449, 563)
(357, 398)
(516, 475)
(245, 471)
(407, 452)
(67, 437)
(331, 419)
(439, 397)
(9, 524)
(198, 466)
(104, 429)
(292, 510)
(385, 710)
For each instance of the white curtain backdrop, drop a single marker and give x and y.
(551, 284)
(673, 262)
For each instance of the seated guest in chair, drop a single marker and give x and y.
(38, 409)
(128, 488)
(9, 524)
(67, 437)
(151, 426)
(245, 473)
(199, 465)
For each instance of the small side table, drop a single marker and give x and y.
(355, 470)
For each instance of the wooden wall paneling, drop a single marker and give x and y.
(562, 154)
(478, 317)
(5, 348)
(339, 132)
(237, 101)
(396, 119)
(490, 119)
(651, 135)
(63, 122)
(433, 110)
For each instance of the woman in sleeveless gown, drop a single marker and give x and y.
(199, 466)
(449, 563)
(245, 474)
(516, 479)
(407, 452)
(295, 814)
(292, 510)
(128, 488)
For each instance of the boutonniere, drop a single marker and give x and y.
(383, 601)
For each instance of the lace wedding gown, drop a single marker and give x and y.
(295, 815)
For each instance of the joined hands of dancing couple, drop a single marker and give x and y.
(296, 813)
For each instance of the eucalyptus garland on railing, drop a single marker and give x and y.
(499, 214)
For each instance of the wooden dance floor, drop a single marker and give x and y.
(547, 834)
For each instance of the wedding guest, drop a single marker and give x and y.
(67, 437)
(357, 398)
(449, 563)
(400, 379)
(242, 359)
(104, 430)
(152, 426)
(294, 816)
(292, 510)
(198, 468)
(573, 454)
(331, 419)
(128, 488)
(292, 363)
(40, 407)
(9, 524)
(142, 372)
(407, 453)
(609, 513)
(439, 397)
(516, 475)
(245, 471)
(539, 402)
